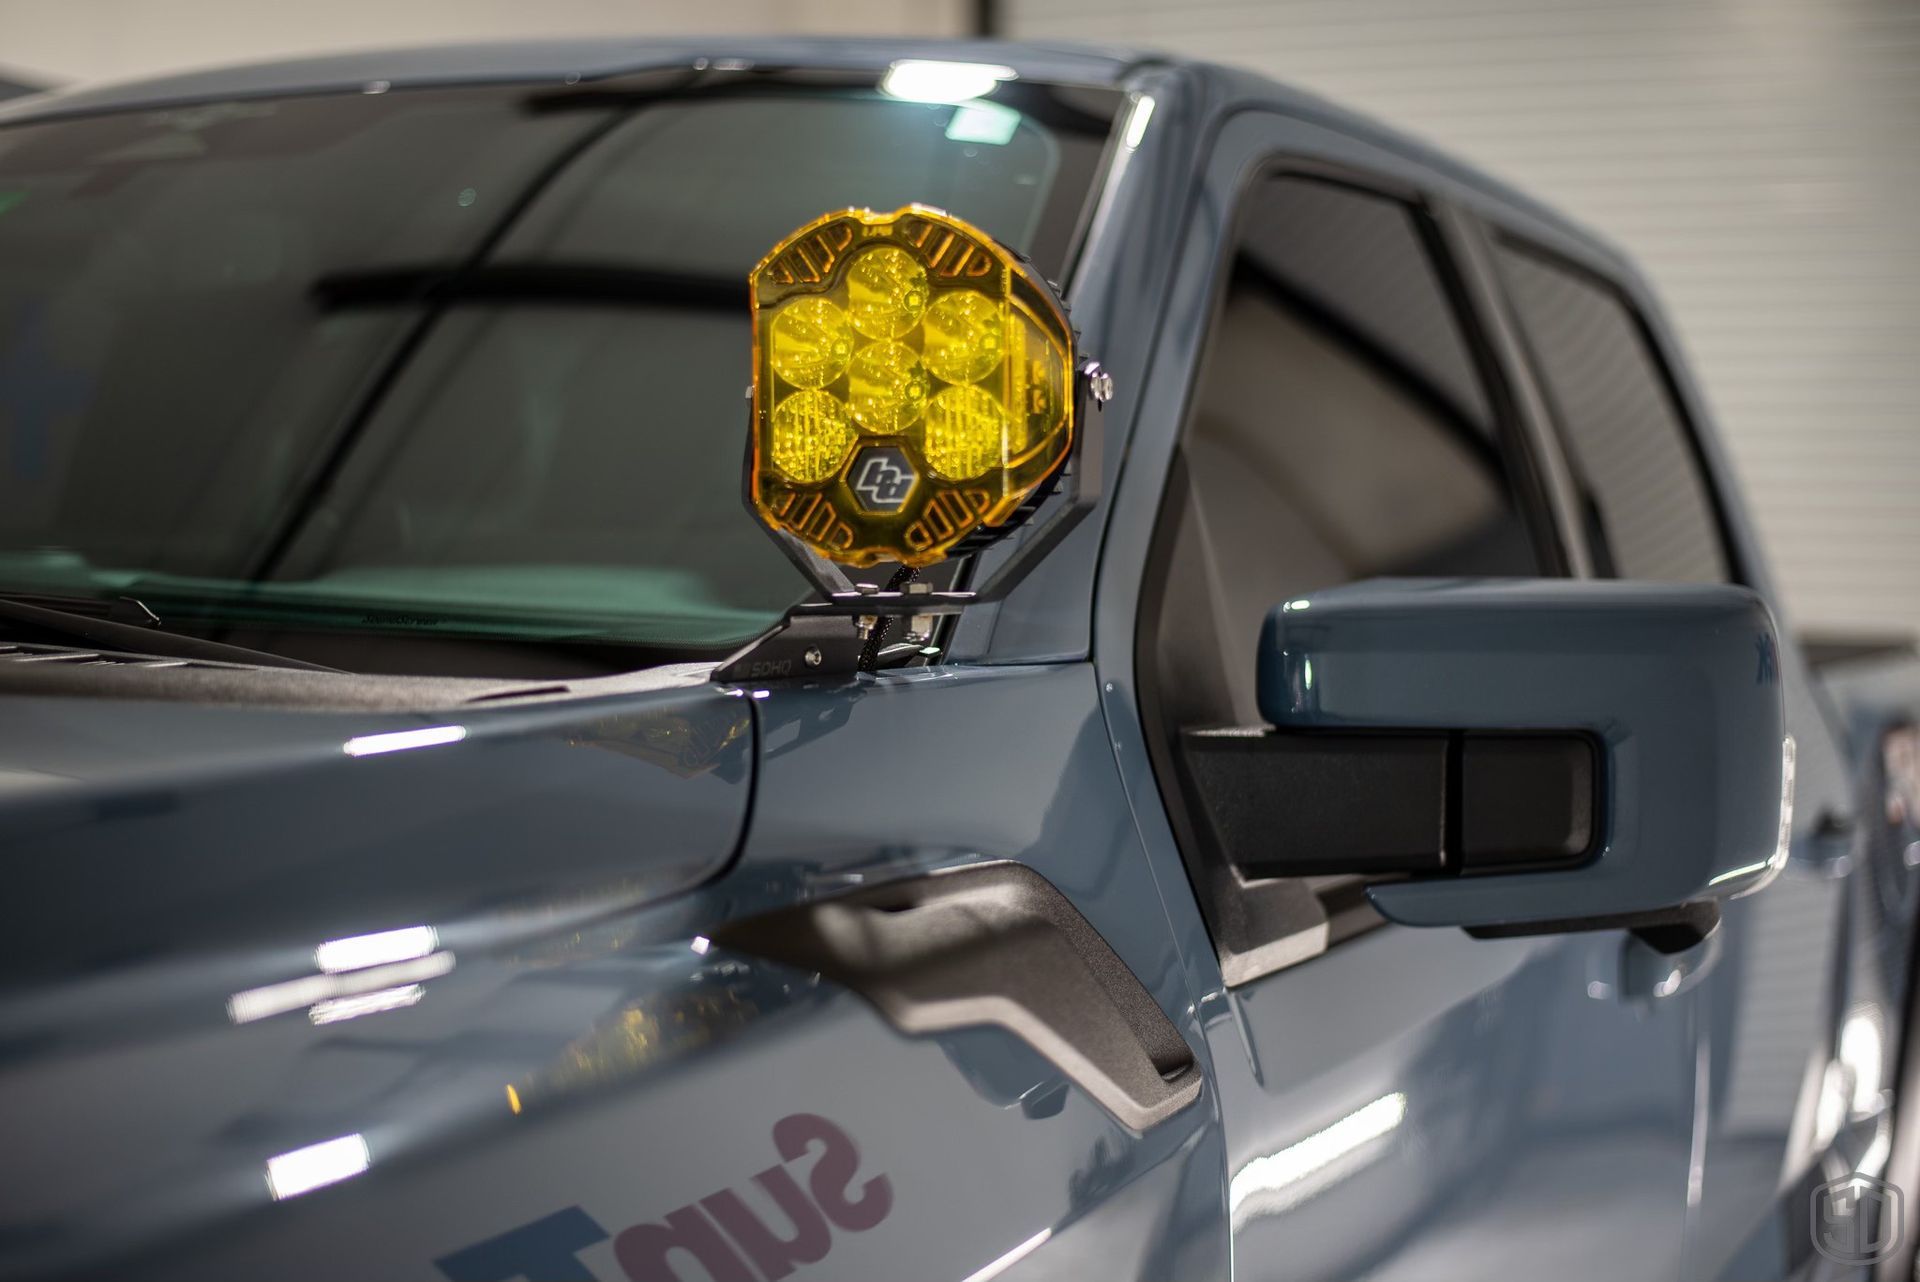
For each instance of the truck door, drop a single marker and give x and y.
(1398, 1103)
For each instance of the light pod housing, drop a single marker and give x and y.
(912, 387)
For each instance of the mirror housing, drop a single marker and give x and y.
(1499, 702)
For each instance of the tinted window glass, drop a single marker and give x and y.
(1339, 433)
(1357, 262)
(447, 363)
(1648, 510)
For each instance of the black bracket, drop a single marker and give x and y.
(800, 646)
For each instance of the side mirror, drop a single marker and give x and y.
(1533, 755)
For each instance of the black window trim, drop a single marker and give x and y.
(1540, 450)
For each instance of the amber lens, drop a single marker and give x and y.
(810, 435)
(886, 292)
(887, 387)
(810, 342)
(966, 336)
(967, 432)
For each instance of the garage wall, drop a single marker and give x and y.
(69, 40)
(1758, 156)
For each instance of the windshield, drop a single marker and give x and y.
(340, 375)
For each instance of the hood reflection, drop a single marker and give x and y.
(317, 1165)
(361, 975)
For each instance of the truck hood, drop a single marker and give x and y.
(140, 832)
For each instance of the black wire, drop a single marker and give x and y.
(870, 652)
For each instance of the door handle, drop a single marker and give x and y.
(992, 943)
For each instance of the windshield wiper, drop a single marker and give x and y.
(54, 620)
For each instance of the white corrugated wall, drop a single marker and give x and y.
(1760, 157)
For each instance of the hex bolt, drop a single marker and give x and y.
(813, 658)
(1099, 382)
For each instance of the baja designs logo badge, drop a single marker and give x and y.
(720, 1231)
(882, 478)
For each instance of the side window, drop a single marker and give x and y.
(1648, 511)
(1339, 431)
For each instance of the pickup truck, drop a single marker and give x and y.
(1347, 806)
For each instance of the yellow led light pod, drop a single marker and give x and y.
(911, 387)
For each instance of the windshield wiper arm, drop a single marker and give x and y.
(51, 620)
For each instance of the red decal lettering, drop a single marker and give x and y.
(794, 1136)
(775, 1256)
